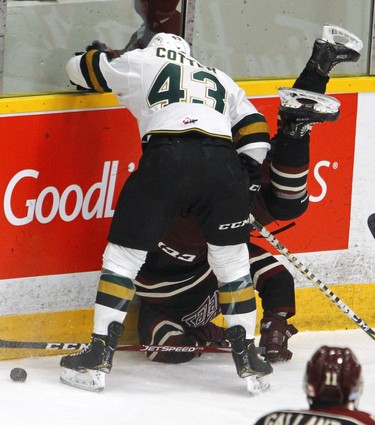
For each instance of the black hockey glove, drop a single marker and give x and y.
(253, 169)
(102, 47)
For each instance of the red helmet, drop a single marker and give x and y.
(333, 376)
(163, 5)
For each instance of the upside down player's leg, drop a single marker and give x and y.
(301, 108)
(326, 54)
(237, 301)
(286, 196)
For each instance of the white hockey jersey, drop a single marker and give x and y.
(169, 92)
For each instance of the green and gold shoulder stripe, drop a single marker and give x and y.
(252, 128)
(90, 68)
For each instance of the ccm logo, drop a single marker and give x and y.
(233, 225)
(255, 187)
(65, 346)
(170, 251)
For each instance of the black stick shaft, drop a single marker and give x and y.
(310, 276)
(70, 346)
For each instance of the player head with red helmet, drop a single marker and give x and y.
(165, 6)
(153, 10)
(333, 377)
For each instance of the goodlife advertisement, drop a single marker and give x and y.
(61, 176)
(62, 172)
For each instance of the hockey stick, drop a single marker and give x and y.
(70, 346)
(317, 282)
(176, 349)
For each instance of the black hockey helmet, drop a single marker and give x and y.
(333, 376)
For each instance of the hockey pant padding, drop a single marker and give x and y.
(277, 294)
(272, 280)
(123, 261)
(156, 328)
(170, 333)
(237, 302)
(229, 263)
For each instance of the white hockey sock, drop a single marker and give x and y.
(247, 320)
(103, 316)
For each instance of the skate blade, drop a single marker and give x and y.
(257, 384)
(296, 98)
(89, 380)
(334, 34)
(253, 385)
(265, 383)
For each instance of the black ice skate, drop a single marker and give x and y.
(246, 360)
(86, 369)
(328, 52)
(300, 109)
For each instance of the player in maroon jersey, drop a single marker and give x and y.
(333, 385)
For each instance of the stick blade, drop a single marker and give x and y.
(371, 224)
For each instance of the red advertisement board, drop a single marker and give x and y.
(61, 174)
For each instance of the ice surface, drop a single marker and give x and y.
(205, 391)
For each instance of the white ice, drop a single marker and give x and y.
(205, 391)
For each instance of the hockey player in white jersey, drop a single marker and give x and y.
(198, 129)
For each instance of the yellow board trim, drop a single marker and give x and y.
(70, 101)
(57, 102)
(335, 85)
(315, 312)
